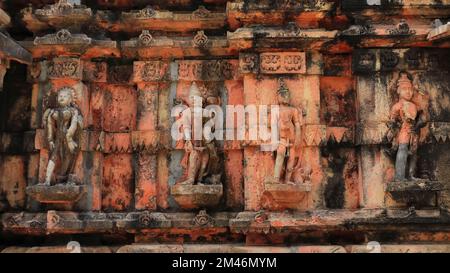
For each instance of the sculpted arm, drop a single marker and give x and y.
(50, 123)
(297, 123)
(71, 131)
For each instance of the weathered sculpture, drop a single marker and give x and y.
(200, 155)
(202, 187)
(406, 120)
(289, 122)
(63, 125)
(287, 192)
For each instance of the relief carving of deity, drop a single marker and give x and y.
(63, 125)
(289, 126)
(201, 157)
(405, 121)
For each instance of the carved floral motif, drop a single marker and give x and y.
(64, 68)
(402, 28)
(364, 61)
(201, 13)
(200, 39)
(63, 8)
(202, 219)
(63, 37)
(389, 59)
(145, 39)
(283, 63)
(248, 63)
(207, 70)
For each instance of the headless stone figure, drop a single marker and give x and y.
(289, 123)
(405, 123)
(63, 125)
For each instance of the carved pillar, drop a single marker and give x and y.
(119, 122)
(148, 139)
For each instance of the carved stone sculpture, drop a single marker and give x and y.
(289, 123)
(405, 123)
(406, 120)
(200, 155)
(63, 125)
(288, 190)
(202, 186)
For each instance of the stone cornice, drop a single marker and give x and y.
(58, 222)
(65, 43)
(147, 46)
(293, 36)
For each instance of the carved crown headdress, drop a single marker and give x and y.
(282, 88)
(194, 90)
(404, 81)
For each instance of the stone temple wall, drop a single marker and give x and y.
(363, 80)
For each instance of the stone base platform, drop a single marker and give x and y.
(416, 193)
(280, 196)
(421, 185)
(57, 194)
(197, 196)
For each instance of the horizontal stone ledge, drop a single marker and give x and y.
(306, 13)
(10, 49)
(439, 33)
(371, 247)
(274, 6)
(128, 21)
(64, 43)
(419, 185)
(426, 8)
(147, 222)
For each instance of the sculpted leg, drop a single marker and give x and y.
(281, 153)
(290, 166)
(193, 167)
(49, 173)
(400, 162)
(204, 165)
(412, 166)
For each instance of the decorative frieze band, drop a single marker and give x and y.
(149, 71)
(67, 68)
(213, 70)
(273, 63)
(372, 60)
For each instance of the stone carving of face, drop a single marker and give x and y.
(284, 98)
(195, 97)
(64, 97)
(405, 92)
(212, 101)
(195, 100)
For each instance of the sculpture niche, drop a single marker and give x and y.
(63, 125)
(202, 187)
(406, 120)
(289, 190)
